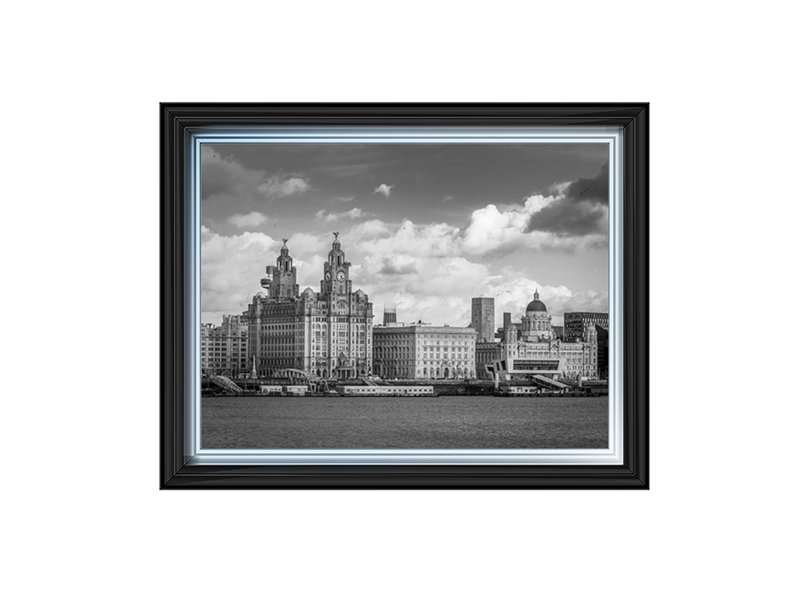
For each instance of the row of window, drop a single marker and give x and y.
(426, 373)
(218, 347)
(402, 354)
(379, 333)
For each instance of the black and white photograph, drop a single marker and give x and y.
(404, 296)
(257, 350)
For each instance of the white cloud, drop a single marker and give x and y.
(231, 269)
(279, 185)
(499, 231)
(352, 214)
(384, 189)
(309, 269)
(425, 240)
(303, 245)
(490, 229)
(369, 229)
(253, 219)
(559, 189)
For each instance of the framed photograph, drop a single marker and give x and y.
(404, 296)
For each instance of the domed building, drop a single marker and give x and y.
(325, 333)
(537, 325)
(531, 350)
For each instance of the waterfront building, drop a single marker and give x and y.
(602, 352)
(559, 331)
(500, 333)
(325, 334)
(423, 351)
(485, 355)
(389, 315)
(506, 319)
(224, 348)
(483, 318)
(530, 349)
(576, 323)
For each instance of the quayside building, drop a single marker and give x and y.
(424, 351)
(530, 348)
(326, 333)
(576, 323)
(224, 347)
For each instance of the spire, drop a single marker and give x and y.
(336, 270)
(536, 294)
(336, 256)
(280, 279)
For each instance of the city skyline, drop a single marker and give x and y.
(427, 227)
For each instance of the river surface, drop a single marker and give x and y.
(450, 422)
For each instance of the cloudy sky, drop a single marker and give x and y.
(426, 226)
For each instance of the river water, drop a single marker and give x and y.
(448, 422)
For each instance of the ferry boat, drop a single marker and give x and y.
(284, 390)
(386, 390)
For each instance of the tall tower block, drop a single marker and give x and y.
(389, 315)
(483, 318)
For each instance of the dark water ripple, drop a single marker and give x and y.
(452, 422)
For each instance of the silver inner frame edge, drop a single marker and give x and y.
(401, 135)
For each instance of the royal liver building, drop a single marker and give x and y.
(327, 334)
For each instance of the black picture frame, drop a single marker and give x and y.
(177, 123)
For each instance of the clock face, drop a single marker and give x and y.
(327, 276)
(341, 276)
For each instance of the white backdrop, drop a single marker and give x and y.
(84, 518)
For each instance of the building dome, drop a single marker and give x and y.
(536, 306)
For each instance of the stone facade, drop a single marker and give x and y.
(576, 323)
(532, 348)
(421, 351)
(224, 349)
(325, 333)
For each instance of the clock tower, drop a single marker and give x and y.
(326, 334)
(336, 271)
